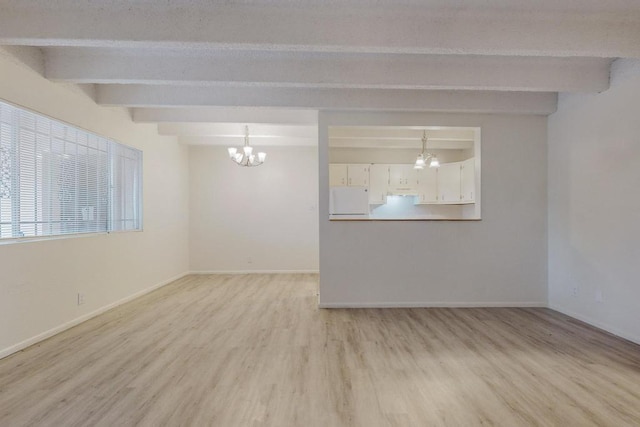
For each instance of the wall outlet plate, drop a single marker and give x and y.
(80, 298)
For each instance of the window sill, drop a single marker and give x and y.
(11, 241)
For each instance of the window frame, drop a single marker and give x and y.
(131, 190)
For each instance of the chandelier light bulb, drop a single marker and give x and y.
(435, 163)
(245, 157)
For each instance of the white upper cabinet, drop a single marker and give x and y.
(468, 180)
(411, 176)
(343, 175)
(337, 175)
(449, 182)
(456, 182)
(402, 176)
(427, 186)
(396, 175)
(378, 184)
(358, 175)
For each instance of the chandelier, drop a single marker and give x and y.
(425, 157)
(245, 157)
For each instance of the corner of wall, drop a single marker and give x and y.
(592, 221)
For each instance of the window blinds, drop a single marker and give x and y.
(56, 179)
(125, 189)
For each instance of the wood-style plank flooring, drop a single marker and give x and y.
(256, 351)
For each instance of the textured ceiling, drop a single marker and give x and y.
(278, 62)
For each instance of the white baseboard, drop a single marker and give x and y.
(51, 332)
(605, 327)
(432, 304)
(255, 272)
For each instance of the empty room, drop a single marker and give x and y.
(300, 213)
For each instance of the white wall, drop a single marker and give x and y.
(500, 260)
(39, 281)
(594, 204)
(254, 219)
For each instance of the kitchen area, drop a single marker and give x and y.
(404, 173)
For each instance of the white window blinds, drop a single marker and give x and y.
(125, 190)
(56, 179)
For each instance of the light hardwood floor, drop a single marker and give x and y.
(255, 350)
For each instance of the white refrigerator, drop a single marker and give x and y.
(349, 201)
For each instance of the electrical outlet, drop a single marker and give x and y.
(575, 290)
(80, 298)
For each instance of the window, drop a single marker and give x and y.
(56, 179)
(416, 172)
(125, 188)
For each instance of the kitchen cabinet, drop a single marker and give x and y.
(403, 176)
(468, 181)
(449, 182)
(456, 182)
(358, 175)
(403, 180)
(342, 175)
(337, 175)
(378, 184)
(427, 186)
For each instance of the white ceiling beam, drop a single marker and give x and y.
(392, 143)
(236, 130)
(225, 115)
(329, 99)
(488, 28)
(401, 137)
(329, 70)
(282, 141)
(401, 133)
